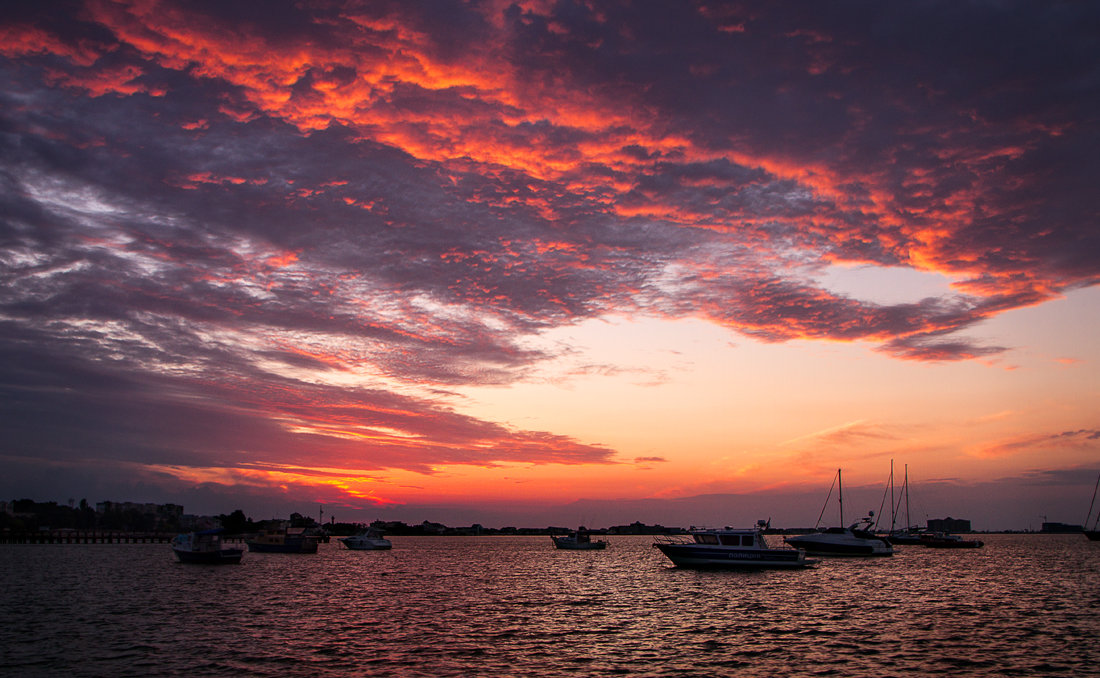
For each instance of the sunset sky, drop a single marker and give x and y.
(550, 262)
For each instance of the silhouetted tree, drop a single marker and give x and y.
(236, 522)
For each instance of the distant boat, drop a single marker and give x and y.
(730, 547)
(284, 540)
(1094, 533)
(205, 548)
(939, 540)
(854, 540)
(370, 539)
(909, 535)
(905, 538)
(580, 540)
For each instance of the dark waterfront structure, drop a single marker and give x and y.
(1062, 528)
(84, 537)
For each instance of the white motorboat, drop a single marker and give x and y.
(368, 540)
(730, 547)
(855, 540)
(578, 541)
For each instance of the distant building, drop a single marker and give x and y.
(1062, 528)
(948, 524)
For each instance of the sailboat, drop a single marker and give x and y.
(854, 540)
(1094, 533)
(909, 534)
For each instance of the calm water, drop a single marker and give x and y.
(1023, 605)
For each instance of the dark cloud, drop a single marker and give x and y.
(201, 201)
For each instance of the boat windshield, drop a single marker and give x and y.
(737, 540)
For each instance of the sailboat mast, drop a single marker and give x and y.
(907, 523)
(893, 519)
(840, 495)
(1093, 502)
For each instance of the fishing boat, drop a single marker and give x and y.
(370, 539)
(729, 547)
(855, 540)
(940, 540)
(580, 540)
(205, 548)
(284, 540)
(1094, 533)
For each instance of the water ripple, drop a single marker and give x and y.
(1023, 605)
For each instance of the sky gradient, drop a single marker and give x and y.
(544, 262)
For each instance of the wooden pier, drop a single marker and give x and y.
(99, 537)
(85, 537)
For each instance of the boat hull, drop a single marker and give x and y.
(700, 555)
(367, 545)
(569, 544)
(903, 540)
(825, 545)
(222, 557)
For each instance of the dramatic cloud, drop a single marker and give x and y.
(1082, 439)
(282, 236)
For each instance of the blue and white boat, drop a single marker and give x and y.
(729, 547)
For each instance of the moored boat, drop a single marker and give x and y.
(854, 540)
(908, 537)
(580, 540)
(283, 540)
(205, 548)
(939, 540)
(370, 539)
(729, 547)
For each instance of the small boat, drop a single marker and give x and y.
(730, 547)
(283, 540)
(578, 541)
(909, 537)
(939, 540)
(854, 540)
(370, 539)
(205, 547)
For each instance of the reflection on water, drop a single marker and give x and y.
(1024, 604)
